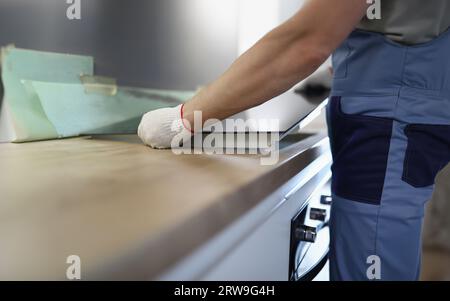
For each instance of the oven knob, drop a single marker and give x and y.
(318, 214)
(326, 200)
(306, 233)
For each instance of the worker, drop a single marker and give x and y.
(388, 116)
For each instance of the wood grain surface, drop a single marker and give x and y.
(128, 211)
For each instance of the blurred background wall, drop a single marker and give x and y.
(436, 261)
(172, 44)
(167, 44)
(437, 226)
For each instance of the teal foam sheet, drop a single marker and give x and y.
(53, 95)
(19, 65)
(73, 111)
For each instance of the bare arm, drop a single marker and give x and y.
(284, 57)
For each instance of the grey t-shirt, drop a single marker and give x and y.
(411, 21)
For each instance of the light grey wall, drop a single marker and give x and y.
(173, 44)
(289, 8)
(437, 223)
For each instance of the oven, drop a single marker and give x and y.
(310, 241)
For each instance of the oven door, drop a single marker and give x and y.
(310, 241)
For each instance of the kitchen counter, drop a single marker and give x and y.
(129, 212)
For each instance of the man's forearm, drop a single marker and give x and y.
(260, 74)
(284, 57)
(281, 59)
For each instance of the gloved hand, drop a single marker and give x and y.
(164, 128)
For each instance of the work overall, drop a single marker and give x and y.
(389, 123)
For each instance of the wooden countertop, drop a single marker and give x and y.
(128, 211)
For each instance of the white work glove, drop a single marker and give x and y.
(164, 128)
